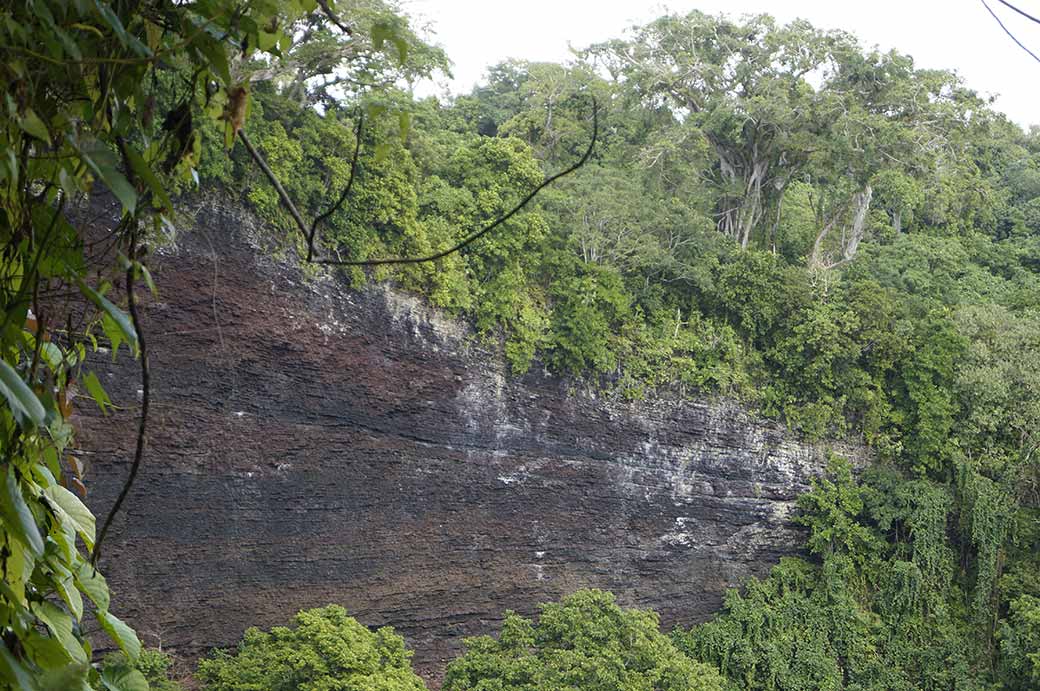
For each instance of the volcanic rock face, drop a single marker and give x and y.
(311, 444)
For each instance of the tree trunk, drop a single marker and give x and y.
(851, 235)
(861, 205)
(741, 215)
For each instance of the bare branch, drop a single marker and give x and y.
(310, 234)
(346, 190)
(1007, 31)
(145, 400)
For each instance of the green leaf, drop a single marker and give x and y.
(266, 41)
(114, 333)
(216, 56)
(112, 19)
(52, 355)
(64, 536)
(117, 315)
(66, 586)
(18, 568)
(122, 634)
(97, 392)
(382, 32)
(59, 623)
(31, 123)
(93, 585)
(13, 671)
(17, 515)
(67, 678)
(24, 405)
(48, 654)
(103, 163)
(68, 507)
(65, 251)
(147, 276)
(144, 171)
(123, 678)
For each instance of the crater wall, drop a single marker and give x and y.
(311, 444)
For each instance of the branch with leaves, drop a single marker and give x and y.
(310, 233)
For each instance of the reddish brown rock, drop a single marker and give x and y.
(312, 444)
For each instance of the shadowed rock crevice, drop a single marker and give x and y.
(311, 444)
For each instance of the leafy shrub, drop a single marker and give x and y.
(585, 642)
(325, 650)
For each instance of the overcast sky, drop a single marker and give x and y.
(949, 34)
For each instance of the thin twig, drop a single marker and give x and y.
(282, 194)
(1028, 16)
(310, 234)
(135, 318)
(346, 190)
(1008, 32)
(327, 10)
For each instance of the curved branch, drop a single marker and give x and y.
(346, 190)
(145, 399)
(1008, 31)
(1028, 16)
(310, 234)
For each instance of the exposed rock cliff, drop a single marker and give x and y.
(311, 444)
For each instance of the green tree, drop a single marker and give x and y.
(583, 643)
(324, 650)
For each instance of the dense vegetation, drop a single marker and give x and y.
(584, 642)
(772, 213)
(855, 253)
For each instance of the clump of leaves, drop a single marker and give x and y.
(323, 650)
(583, 642)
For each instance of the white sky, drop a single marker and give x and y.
(949, 34)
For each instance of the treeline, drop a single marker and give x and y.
(773, 213)
(584, 642)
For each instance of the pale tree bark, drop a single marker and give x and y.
(741, 215)
(851, 234)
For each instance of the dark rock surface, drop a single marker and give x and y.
(311, 444)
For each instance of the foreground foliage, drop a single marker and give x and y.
(103, 96)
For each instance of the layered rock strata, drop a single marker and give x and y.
(311, 444)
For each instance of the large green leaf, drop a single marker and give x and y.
(118, 316)
(31, 123)
(122, 634)
(75, 677)
(60, 624)
(123, 678)
(113, 21)
(97, 392)
(93, 584)
(66, 586)
(17, 515)
(13, 672)
(18, 569)
(24, 405)
(103, 164)
(145, 173)
(69, 507)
